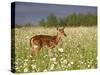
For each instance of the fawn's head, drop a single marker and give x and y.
(61, 32)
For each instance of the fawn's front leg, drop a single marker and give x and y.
(50, 52)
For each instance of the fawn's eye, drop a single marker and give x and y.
(61, 31)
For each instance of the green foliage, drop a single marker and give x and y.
(51, 20)
(42, 22)
(18, 26)
(72, 20)
(28, 25)
(61, 22)
(24, 25)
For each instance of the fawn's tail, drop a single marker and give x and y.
(28, 54)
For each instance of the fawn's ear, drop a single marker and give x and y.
(63, 28)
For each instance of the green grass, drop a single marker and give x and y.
(76, 51)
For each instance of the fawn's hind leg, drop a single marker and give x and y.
(32, 53)
(35, 50)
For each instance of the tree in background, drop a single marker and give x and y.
(61, 22)
(42, 22)
(74, 20)
(28, 24)
(51, 20)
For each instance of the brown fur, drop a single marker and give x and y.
(39, 41)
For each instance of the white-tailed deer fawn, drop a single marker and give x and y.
(39, 41)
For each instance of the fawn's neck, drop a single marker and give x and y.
(57, 38)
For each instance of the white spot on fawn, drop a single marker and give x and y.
(35, 46)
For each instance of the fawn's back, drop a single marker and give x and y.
(43, 41)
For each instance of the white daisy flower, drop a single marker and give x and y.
(55, 62)
(53, 59)
(25, 70)
(33, 60)
(16, 68)
(30, 56)
(71, 62)
(69, 65)
(61, 49)
(65, 61)
(52, 66)
(88, 66)
(26, 60)
(25, 64)
(33, 66)
(45, 70)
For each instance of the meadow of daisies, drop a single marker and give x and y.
(78, 50)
